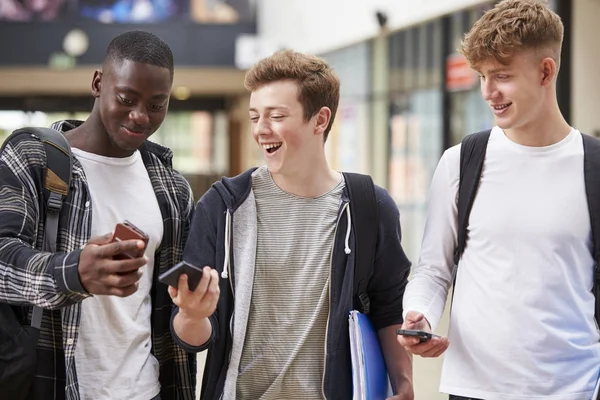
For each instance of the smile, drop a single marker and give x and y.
(135, 134)
(500, 109)
(271, 147)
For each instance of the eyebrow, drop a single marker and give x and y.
(270, 108)
(128, 89)
(496, 70)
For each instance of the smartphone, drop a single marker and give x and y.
(171, 277)
(422, 335)
(127, 231)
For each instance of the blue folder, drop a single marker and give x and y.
(369, 374)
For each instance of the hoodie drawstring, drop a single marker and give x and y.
(225, 273)
(348, 229)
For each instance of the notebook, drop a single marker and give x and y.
(369, 374)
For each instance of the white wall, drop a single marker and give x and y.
(585, 58)
(319, 26)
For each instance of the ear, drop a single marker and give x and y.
(96, 83)
(549, 70)
(323, 117)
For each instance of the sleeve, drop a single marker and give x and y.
(187, 207)
(428, 289)
(391, 266)
(200, 250)
(29, 276)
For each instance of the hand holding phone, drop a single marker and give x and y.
(111, 264)
(416, 337)
(196, 300)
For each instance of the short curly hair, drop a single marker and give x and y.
(513, 26)
(318, 84)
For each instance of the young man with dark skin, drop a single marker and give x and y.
(105, 329)
(522, 324)
(283, 241)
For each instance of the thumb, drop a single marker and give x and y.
(413, 316)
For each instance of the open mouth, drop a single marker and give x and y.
(501, 107)
(271, 147)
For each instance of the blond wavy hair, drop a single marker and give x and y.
(318, 84)
(513, 26)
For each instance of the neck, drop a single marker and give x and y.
(314, 178)
(91, 136)
(551, 128)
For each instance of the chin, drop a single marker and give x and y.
(503, 124)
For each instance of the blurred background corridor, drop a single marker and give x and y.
(406, 94)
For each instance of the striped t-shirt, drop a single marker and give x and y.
(284, 350)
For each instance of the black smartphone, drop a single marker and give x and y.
(422, 335)
(171, 277)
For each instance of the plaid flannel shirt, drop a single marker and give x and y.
(51, 281)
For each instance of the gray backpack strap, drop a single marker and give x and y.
(57, 181)
(591, 172)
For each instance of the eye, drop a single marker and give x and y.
(503, 77)
(157, 107)
(253, 118)
(125, 100)
(277, 117)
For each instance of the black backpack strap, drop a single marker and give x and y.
(591, 169)
(365, 220)
(472, 156)
(57, 179)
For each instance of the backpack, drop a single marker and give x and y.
(472, 156)
(18, 341)
(365, 217)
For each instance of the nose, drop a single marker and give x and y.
(139, 116)
(261, 127)
(489, 90)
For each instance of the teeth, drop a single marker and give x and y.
(268, 146)
(502, 107)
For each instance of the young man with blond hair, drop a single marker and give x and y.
(522, 321)
(281, 238)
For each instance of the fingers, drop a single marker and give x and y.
(431, 348)
(174, 293)
(101, 240)
(436, 351)
(126, 246)
(182, 287)
(204, 299)
(406, 341)
(204, 282)
(213, 290)
(124, 266)
(416, 320)
(120, 281)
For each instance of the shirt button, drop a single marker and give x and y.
(70, 342)
(87, 204)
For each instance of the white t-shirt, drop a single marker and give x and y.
(113, 353)
(522, 323)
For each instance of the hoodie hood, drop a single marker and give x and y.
(234, 190)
